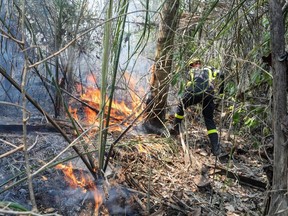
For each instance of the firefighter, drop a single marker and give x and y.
(200, 89)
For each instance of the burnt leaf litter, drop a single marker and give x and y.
(147, 175)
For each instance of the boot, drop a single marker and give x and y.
(175, 131)
(176, 127)
(215, 146)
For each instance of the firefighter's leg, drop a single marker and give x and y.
(208, 113)
(178, 117)
(186, 101)
(176, 125)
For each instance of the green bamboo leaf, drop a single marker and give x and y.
(12, 205)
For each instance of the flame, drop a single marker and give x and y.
(120, 110)
(84, 182)
(73, 112)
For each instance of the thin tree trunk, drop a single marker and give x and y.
(159, 82)
(279, 196)
(58, 41)
(25, 116)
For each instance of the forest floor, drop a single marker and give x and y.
(147, 175)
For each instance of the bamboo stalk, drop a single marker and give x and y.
(104, 76)
(121, 26)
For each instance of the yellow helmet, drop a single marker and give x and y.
(193, 60)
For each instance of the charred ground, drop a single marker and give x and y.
(147, 175)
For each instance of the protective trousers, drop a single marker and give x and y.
(199, 93)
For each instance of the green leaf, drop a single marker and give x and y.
(13, 206)
(175, 79)
(251, 122)
(181, 89)
(256, 78)
(236, 117)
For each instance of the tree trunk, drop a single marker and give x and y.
(58, 41)
(159, 82)
(279, 197)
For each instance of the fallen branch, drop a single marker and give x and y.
(8, 143)
(162, 201)
(11, 151)
(7, 212)
(32, 146)
(240, 178)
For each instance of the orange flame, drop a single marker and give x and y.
(119, 110)
(73, 112)
(84, 182)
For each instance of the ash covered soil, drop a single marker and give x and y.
(147, 175)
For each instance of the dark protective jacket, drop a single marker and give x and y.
(206, 78)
